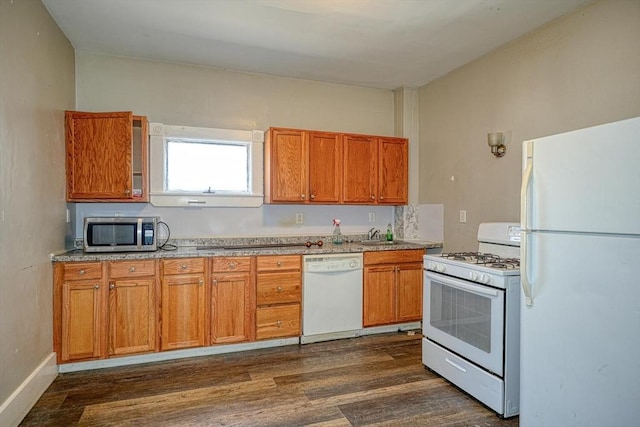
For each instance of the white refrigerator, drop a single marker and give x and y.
(580, 274)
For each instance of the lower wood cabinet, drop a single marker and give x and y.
(279, 292)
(183, 303)
(100, 311)
(232, 300)
(392, 287)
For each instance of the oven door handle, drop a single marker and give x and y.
(475, 289)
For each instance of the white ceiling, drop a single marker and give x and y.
(374, 43)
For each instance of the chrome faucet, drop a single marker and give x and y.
(373, 233)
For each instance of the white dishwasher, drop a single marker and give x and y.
(331, 297)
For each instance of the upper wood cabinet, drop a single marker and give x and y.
(393, 171)
(303, 166)
(107, 157)
(376, 170)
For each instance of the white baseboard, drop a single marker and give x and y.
(14, 409)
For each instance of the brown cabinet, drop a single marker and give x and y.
(106, 157)
(132, 307)
(360, 178)
(232, 300)
(279, 292)
(302, 166)
(183, 303)
(392, 287)
(393, 171)
(104, 309)
(378, 171)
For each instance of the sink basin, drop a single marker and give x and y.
(378, 242)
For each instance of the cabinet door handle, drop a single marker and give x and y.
(201, 282)
(96, 287)
(112, 285)
(381, 198)
(215, 282)
(303, 196)
(313, 196)
(127, 191)
(373, 197)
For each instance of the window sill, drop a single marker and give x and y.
(200, 200)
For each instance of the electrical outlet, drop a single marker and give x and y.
(463, 216)
(299, 218)
(372, 217)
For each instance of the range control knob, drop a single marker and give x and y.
(473, 276)
(485, 278)
(441, 268)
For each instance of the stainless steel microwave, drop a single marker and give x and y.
(120, 234)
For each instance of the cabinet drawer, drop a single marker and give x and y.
(278, 288)
(82, 270)
(279, 262)
(125, 269)
(393, 257)
(278, 321)
(182, 266)
(231, 264)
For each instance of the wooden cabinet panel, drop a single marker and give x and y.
(231, 308)
(83, 312)
(231, 264)
(325, 167)
(82, 270)
(278, 288)
(182, 266)
(360, 172)
(278, 321)
(278, 263)
(104, 162)
(183, 311)
(409, 281)
(132, 313)
(379, 295)
(286, 165)
(393, 171)
(392, 286)
(128, 269)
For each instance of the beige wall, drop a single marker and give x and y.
(197, 96)
(36, 86)
(579, 71)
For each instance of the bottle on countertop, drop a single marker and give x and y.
(389, 233)
(337, 233)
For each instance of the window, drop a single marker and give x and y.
(205, 167)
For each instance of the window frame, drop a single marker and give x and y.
(159, 196)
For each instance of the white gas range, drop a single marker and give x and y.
(471, 317)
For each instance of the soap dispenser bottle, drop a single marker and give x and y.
(337, 233)
(389, 233)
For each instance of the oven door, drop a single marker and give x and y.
(465, 318)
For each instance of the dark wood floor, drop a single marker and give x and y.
(374, 380)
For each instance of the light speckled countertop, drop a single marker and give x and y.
(189, 248)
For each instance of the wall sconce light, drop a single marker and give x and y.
(496, 142)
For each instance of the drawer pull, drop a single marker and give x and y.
(279, 263)
(279, 289)
(232, 266)
(82, 271)
(279, 324)
(455, 365)
(132, 269)
(183, 266)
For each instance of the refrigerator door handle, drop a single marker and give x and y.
(524, 221)
(524, 276)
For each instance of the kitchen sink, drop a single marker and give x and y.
(378, 242)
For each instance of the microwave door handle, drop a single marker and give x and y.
(139, 233)
(478, 290)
